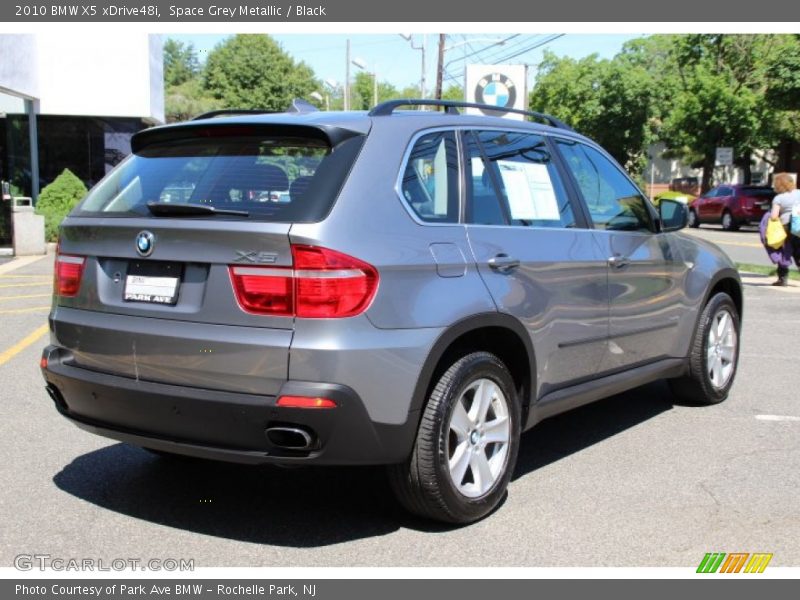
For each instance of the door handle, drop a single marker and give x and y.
(618, 262)
(503, 263)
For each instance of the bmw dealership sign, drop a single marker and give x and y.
(503, 86)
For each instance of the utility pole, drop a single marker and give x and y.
(347, 78)
(440, 67)
(422, 78)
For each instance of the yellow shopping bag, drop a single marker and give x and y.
(776, 234)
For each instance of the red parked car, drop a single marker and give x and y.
(731, 205)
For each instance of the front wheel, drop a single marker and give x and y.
(466, 445)
(694, 221)
(714, 354)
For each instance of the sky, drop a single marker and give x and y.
(396, 62)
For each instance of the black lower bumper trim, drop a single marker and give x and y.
(223, 425)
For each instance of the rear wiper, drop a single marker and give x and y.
(171, 209)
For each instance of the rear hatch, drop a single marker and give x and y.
(756, 199)
(156, 264)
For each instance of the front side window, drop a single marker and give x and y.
(430, 180)
(514, 181)
(614, 202)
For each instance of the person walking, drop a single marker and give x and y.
(786, 199)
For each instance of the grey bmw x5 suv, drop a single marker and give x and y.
(427, 286)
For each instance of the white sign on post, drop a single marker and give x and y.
(724, 157)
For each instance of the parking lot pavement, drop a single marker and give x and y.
(634, 480)
(25, 295)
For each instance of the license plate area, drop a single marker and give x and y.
(153, 282)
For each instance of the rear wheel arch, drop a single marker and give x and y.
(497, 333)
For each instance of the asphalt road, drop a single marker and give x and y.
(635, 480)
(743, 246)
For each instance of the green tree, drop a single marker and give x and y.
(723, 99)
(453, 92)
(180, 63)
(187, 100)
(57, 199)
(363, 91)
(610, 101)
(253, 71)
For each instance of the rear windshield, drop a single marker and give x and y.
(278, 179)
(765, 192)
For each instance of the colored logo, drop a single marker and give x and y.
(145, 242)
(497, 90)
(736, 562)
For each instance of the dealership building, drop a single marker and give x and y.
(74, 101)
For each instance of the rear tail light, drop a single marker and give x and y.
(323, 284)
(68, 272)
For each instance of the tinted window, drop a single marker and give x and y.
(271, 178)
(613, 201)
(514, 180)
(430, 179)
(756, 192)
(726, 191)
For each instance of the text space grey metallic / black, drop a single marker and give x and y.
(402, 287)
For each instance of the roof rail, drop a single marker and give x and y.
(384, 109)
(298, 106)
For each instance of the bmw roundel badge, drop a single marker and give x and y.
(497, 90)
(145, 242)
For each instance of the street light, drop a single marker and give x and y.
(361, 64)
(407, 37)
(319, 98)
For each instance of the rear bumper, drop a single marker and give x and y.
(223, 425)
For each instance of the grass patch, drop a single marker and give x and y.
(762, 270)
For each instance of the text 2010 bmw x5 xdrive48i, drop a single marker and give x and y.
(409, 288)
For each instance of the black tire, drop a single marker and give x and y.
(698, 386)
(423, 484)
(694, 220)
(728, 222)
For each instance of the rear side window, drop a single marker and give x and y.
(430, 179)
(280, 179)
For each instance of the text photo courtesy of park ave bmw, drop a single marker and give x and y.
(281, 293)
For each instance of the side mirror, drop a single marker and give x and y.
(674, 215)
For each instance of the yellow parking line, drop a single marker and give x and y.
(24, 296)
(22, 344)
(33, 284)
(745, 244)
(23, 310)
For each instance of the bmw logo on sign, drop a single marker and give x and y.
(145, 242)
(497, 90)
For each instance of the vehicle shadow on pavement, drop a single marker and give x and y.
(311, 506)
(570, 432)
(301, 507)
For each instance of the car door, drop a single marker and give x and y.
(645, 267)
(535, 252)
(704, 205)
(723, 201)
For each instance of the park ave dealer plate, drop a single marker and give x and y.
(144, 288)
